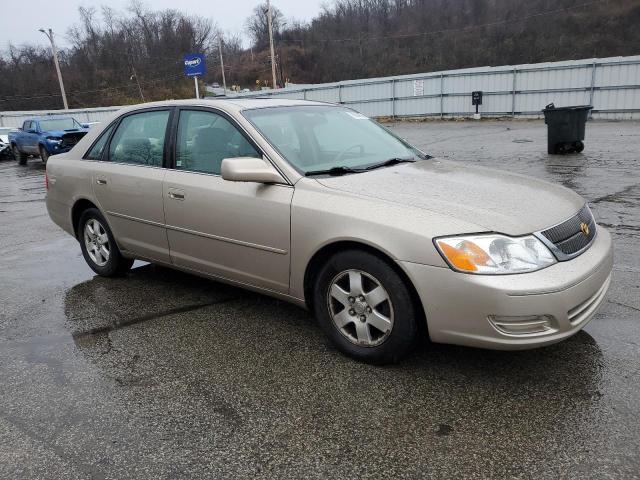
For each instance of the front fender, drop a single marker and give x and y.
(321, 216)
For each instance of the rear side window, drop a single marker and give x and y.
(98, 148)
(205, 139)
(139, 139)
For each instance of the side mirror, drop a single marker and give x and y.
(250, 169)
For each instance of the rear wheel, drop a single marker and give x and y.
(44, 155)
(365, 307)
(99, 247)
(21, 157)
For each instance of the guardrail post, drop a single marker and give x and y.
(393, 98)
(593, 85)
(1, 120)
(441, 95)
(513, 94)
(340, 93)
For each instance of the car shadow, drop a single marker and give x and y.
(150, 294)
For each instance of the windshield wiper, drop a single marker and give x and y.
(340, 170)
(390, 162)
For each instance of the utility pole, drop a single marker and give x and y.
(55, 61)
(224, 82)
(135, 75)
(273, 60)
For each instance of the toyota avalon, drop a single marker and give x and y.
(318, 205)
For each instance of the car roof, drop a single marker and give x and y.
(49, 117)
(236, 104)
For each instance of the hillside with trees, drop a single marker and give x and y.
(118, 58)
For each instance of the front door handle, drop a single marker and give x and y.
(101, 181)
(176, 195)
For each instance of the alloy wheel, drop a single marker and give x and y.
(360, 308)
(96, 241)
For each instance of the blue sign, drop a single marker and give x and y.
(193, 64)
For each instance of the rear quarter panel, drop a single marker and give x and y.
(70, 180)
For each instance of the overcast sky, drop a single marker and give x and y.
(20, 24)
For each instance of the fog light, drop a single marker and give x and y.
(525, 325)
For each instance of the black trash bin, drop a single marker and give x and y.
(565, 128)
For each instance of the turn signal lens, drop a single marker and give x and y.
(495, 254)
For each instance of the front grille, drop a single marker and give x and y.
(70, 139)
(571, 237)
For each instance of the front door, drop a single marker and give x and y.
(128, 184)
(239, 231)
(31, 139)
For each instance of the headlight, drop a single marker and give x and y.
(54, 139)
(494, 253)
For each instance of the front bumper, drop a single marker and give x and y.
(56, 148)
(459, 306)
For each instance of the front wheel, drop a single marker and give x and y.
(99, 247)
(365, 307)
(44, 155)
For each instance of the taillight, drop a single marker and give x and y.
(46, 179)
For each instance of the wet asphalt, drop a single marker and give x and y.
(166, 375)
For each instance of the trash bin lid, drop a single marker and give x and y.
(551, 106)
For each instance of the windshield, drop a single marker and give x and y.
(314, 138)
(59, 124)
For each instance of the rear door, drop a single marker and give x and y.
(128, 182)
(235, 230)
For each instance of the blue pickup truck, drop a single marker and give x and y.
(45, 136)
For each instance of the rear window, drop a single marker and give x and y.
(96, 151)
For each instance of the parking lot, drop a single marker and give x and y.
(165, 375)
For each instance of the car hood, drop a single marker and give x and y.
(60, 133)
(493, 200)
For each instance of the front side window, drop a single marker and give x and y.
(318, 137)
(205, 139)
(98, 148)
(59, 124)
(139, 139)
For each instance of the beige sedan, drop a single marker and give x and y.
(318, 205)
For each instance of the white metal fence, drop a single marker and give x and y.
(611, 85)
(15, 119)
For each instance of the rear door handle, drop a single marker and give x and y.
(176, 194)
(101, 181)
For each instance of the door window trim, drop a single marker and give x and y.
(243, 131)
(116, 124)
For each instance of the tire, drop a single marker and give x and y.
(579, 146)
(354, 318)
(21, 157)
(98, 246)
(44, 155)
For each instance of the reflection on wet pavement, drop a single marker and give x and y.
(161, 374)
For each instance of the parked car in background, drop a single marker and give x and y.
(320, 206)
(46, 136)
(5, 147)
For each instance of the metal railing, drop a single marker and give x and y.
(611, 85)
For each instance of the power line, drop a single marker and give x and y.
(447, 30)
(99, 90)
